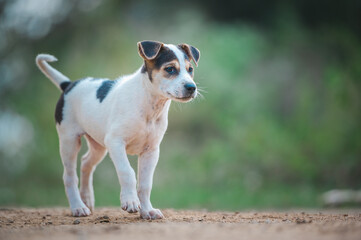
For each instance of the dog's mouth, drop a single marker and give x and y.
(184, 99)
(181, 99)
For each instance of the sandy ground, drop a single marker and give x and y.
(113, 223)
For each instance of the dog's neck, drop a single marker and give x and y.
(157, 108)
(155, 105)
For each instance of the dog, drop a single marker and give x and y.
(128, 115)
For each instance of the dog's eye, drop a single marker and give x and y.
(170, 70)
(190, 70)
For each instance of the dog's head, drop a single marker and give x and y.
(169, 68)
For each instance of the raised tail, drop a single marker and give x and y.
(54, 75)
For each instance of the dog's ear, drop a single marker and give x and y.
(192, 52)
(149, 50)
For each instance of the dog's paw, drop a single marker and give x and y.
(88, 200)
(131, 204)
(151, 214)
(80, 212)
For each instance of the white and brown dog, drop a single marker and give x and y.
(128, 115)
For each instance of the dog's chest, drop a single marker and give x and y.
(147, 134)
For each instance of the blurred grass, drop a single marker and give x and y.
(279, 124)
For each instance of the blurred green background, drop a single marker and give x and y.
(278, 126)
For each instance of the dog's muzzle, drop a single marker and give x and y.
(189, 92)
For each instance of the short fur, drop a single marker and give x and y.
(126, 116)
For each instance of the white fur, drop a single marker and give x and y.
(132, 119)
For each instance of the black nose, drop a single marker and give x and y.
(190, 87)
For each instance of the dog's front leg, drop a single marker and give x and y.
(128, 196)
(146, 166)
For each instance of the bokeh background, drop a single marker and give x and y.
(279, 123)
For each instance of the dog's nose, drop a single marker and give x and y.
(190, 87)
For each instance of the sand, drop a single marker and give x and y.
(113, 223)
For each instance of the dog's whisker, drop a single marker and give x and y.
(200, 96)
(202, 90)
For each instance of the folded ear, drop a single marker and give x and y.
(149, 49)
(192, 52)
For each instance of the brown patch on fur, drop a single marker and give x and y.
(189, 65)
(174, 64)
(148, 68)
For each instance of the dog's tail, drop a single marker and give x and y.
(54, 75)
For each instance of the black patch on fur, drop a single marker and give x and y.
(104, 89)
(149, 49)
(165, 55)
(68, 85)
(59, 109)
(71, 86)
(195, 53)
(64, 85)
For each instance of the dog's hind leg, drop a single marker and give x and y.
(89, 161)
(69, 149)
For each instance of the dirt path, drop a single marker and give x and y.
(112, 223)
